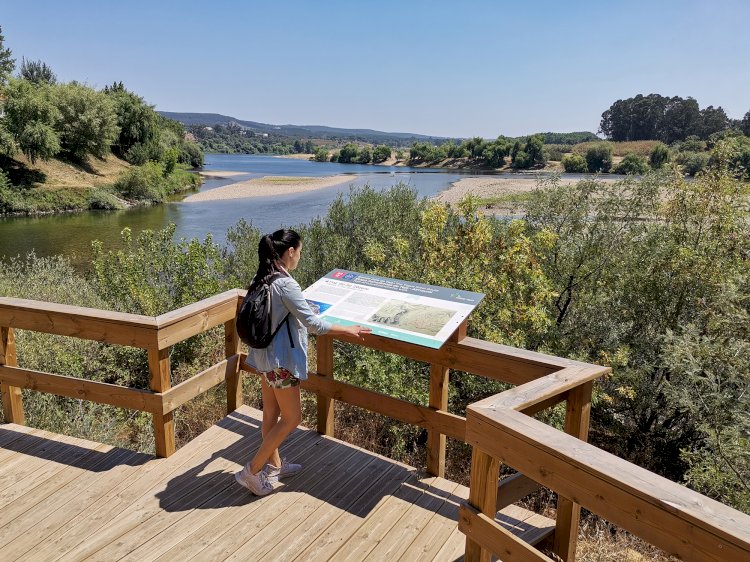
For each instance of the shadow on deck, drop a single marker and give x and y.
(72, 499)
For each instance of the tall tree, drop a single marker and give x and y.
(745, 124)
(7, 62)
(713, 119)
(138, 122)
(30, 118)
(88, 122)
(655, 117)
(681, 119)
(37, 72)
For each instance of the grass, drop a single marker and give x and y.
(643, 148)
(56, 173)
(288, 179)
(598, 541)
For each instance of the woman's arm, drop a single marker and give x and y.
(294, 301)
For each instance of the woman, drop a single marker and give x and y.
(283, 364)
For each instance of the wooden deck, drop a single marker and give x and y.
(63, 498)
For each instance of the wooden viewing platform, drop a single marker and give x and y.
(68, 499)
(63, 498)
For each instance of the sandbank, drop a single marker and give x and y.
(488, 187)
(269, 185)
(221, 174)
(301, 156)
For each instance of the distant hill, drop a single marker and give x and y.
(297, 131)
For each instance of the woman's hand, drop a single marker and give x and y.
(357, 331)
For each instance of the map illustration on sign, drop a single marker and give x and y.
(413, 317)
(412, 312)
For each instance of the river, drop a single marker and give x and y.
(71, 233)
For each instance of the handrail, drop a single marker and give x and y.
(156, 335)
(674, 518)
(678, 520)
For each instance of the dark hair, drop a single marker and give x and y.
(270, 249)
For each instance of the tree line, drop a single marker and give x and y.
(666, 119)
(233, 138)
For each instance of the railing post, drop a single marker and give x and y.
(439, 377)
(325, 368)
(12, 398)
(438, 401)
(485, 471)
(158, 365)
(568, 512)
(234, 380)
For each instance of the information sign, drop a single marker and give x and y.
(412, 312)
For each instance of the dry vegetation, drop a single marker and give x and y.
(642, 148)
(56, 173)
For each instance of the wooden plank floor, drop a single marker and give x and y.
(63, 498)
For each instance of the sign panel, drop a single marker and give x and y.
(402, 310)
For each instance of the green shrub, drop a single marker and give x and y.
(690, 144)
(659, 156)
(103, 200)
(632, 164)
(531, 154)
(169, 160)
(321, 154)
(9, 198)
(599, 158)
(453, 150)
(142, 183)
(693, 162)
(191, 154)
(381, 153)
(522, 160)
(42, 200)
(138, 154)
(181, 180)
(348, 153)
(556, 152)
(495, 152)
(575, 163)
(364, 156)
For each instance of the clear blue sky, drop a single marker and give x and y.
(445, 68)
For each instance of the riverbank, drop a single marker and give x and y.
(109, 183)
(268, 185)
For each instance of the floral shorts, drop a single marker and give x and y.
(280, 378)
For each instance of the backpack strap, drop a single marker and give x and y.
(271, 278)
(288, 329)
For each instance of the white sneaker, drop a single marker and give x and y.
(258, 483)
(273, 473)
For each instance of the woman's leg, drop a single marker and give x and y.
(291, 415)
(271, 412)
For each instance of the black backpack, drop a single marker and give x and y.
(254, 318)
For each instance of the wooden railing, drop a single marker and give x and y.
(154, 334)
(499, 428)
(676, 519)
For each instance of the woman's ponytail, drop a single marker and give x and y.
(270, 249)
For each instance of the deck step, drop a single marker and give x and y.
(528, 526)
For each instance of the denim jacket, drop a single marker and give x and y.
(286, 297)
